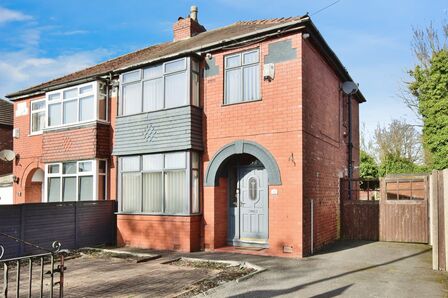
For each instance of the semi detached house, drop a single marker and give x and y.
(236, 136)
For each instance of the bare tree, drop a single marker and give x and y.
(399, 139)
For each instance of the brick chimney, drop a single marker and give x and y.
(186, 28)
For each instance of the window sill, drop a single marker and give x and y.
(240, 102)
(36, 134)
(157, 214)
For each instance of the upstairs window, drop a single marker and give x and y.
(242, 77)
(37, 116)
(76, 105)
(159, 87)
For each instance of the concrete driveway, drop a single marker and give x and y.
(347, 269)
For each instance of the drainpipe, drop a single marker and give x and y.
(312, 226)
(350, 148)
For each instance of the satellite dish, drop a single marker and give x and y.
(7, 155)
(349, 88)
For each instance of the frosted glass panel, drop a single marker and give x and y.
(233, 86)
(195, 160)
(54, 114)
(152, 192)
(70, 111)
(153, 162)
(153, 95)
(131, 76)
(131, 192)
(175, 160)
(251, 57)
(195, 89)
(175, 192)
(71, 93)
(176, 90)
(195, 191)
(153, 72)
(233, 61)
(130, 163)
(132, 101)
(86, 108)
(175, 66)
(54, 189)
(252, 82)
(86, 188)
(69, 189)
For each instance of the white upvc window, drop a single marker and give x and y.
(242, 77)
(37, 119)
(69, 181)
(161, 86)
(76, 105)
(164, 183)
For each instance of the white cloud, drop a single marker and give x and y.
(24, 69)
(8, 15)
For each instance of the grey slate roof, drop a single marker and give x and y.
(226, 35)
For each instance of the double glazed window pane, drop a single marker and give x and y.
(233, 86)
(131, 192)
(153, 95)
(175, 90)
(54, 114)
(71, 93)
(175, 192)
(251, 82)
(132, 99)
(86, 108)
(86, 188)
(195, 191)
(69, 189)
(37, 121)
(152, 192)
(54, 189)
(70, 114)
(130, 163)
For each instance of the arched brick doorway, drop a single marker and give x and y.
(34, 186)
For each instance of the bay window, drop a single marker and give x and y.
(37, 116)
(76, 181)
(165, 183)
(242, 77)
(78, 104)
(161, 86)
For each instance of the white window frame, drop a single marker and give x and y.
(188, 183)
(94, 172)
(241, 67)
(44, 109)
(187, 69)
(96, 93)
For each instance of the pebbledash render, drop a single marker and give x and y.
(233, 137)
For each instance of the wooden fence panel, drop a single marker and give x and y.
(361, 220)
(74, 224)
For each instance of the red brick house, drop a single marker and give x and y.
(231, 137)
(6, 119)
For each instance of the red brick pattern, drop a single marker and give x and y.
(185, 28)
(159, 232)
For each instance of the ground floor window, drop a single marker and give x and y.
(165, 183)
(76, 181)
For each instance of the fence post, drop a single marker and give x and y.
(434, 219)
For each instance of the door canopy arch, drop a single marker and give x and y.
(241, 147)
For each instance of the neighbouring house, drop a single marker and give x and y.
(236, 136)
(6, 126)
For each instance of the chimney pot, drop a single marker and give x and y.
(194, 13)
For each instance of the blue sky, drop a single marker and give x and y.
(41, 40)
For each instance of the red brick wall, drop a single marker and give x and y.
(159, 232)
(5, 143)
(275, 123)
(324, 148)
(76, 143)
(185, 28)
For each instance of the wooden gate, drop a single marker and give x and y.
(399, 213)
(404, 209)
